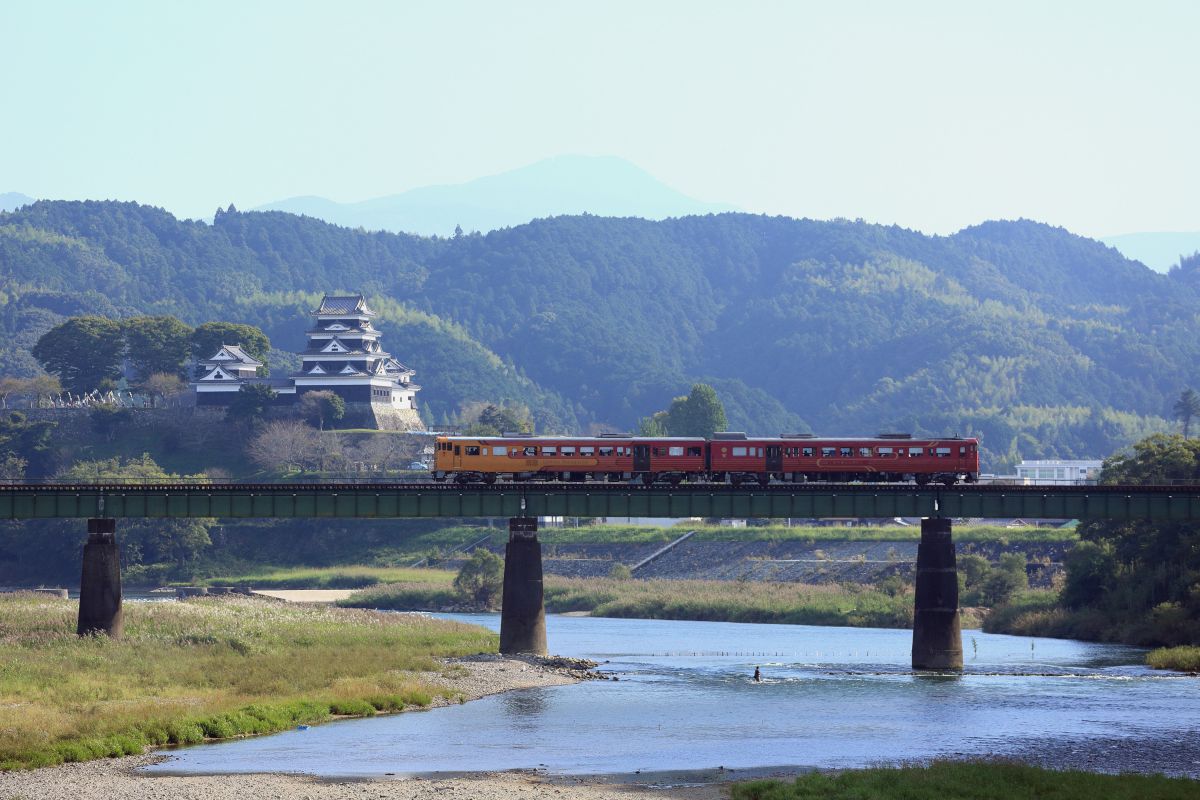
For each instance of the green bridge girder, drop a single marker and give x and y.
(396, 500)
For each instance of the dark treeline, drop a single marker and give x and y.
(1044, 343)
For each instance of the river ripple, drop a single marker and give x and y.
(830, 697)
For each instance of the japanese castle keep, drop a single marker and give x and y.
(343, 356)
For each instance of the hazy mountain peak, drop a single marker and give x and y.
(1158, 250)
(14, 200)
(569, 184)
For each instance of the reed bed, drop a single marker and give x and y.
(1185, 658)
(205, 668)
(352, 576)
(974, 780)
(726, 601)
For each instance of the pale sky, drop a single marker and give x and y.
(932, 115)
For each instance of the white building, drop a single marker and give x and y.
(1059, 471)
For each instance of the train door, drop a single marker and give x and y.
(774, 458)
(641, 458)
(458, 456)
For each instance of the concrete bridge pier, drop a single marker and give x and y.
(937, 629)
(100, 583)
(523, 613)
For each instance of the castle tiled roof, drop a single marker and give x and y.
(344, 304)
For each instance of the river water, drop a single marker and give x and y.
(830, 697)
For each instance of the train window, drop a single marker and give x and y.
(864, 452)
(568, 451)
(472, 451)
(694, 451)
(675, 451)
(942, 452)
(739, 451)
(828, 452)
(499, 451)
(962, 451)
(807, 452)
(549, 451)
(587, 451)
(606, 451)
(530, 452)
(844, 452)
(883, 451)
(914, 451)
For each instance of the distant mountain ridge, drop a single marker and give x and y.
(600, 185)
(1158, 250)
(1043, 343)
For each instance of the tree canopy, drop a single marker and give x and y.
(84, 352)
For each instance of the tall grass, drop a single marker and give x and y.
(1185, 658)
(728, 601)
(206, 668)
(977, 781)
(343, 577)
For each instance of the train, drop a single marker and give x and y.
(729, 457)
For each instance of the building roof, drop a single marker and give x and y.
(344, 304)
(239, 356)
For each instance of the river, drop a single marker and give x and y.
(830, 697)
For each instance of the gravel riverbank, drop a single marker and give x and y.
(471, 677)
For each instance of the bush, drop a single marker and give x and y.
(482, 577)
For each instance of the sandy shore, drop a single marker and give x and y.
(307, 595)
(473, 677)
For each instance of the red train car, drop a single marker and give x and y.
(882, 459)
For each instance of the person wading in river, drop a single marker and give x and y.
(757, 676)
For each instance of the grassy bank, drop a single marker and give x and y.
(725, 601)
(189, 671)
(977, 781)
(344, 577)
(1185, 658)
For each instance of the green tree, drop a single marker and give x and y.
(207, 339)
(322, 408)
(700, 413)
(251, 402)
(156, 344)
(481, 578)
(28, 441)
(494, 420)
(654, 426)
(1186, 408)
(83, 352)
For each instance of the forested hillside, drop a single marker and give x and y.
(1042, 342)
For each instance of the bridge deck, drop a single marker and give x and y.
(32, 501)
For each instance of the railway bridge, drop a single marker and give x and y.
(937, 638)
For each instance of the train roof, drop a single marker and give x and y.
(896, 440)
